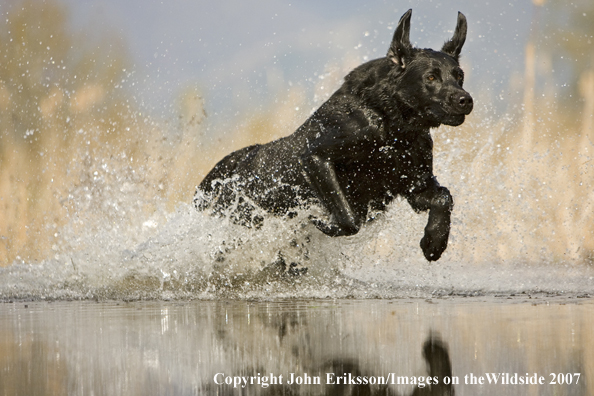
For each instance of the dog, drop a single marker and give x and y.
(368, 143)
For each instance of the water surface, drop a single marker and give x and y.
(186, 347)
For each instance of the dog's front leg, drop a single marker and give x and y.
(440, 203)
(322, 177)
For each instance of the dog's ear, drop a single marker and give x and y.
(454, 45)
(400, 47)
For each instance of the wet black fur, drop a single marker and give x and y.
(367, 144)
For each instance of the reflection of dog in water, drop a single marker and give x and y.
(437, 357)
(435, 353)
(367, 144)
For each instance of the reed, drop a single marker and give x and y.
(75, 151)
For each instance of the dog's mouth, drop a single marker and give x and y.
(453, 119)
(443, 116)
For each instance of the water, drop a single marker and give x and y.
(196, 256)
(177, 348)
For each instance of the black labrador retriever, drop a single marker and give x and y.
(367, 144)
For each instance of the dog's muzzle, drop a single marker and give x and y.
(462, 102)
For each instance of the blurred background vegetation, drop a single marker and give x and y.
(76, 149)
(60, 106)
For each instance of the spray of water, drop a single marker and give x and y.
(190, 254)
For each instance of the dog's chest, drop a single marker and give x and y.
(399, 164)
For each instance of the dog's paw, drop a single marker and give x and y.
(433, 247)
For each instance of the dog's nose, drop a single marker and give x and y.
(463, 102)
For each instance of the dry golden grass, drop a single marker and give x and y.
(525, 201)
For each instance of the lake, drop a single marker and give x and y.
(531, 344)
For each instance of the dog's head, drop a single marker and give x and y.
(430, 82)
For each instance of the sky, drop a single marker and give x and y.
(240, 53)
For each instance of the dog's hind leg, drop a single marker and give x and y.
(225, 169)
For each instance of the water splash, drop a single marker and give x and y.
(509, 235)
(194, 255)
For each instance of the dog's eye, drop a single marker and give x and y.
(431, 77)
